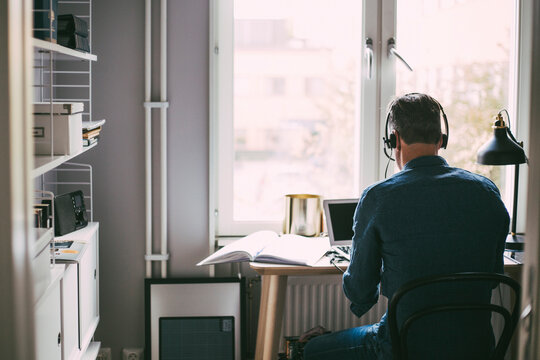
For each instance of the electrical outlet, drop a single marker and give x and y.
(104, 354)
(132, 354)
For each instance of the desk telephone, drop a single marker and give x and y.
(69, 213)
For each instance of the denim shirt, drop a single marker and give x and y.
(427, 219)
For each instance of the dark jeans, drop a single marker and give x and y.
(361, 343)
(371, 342)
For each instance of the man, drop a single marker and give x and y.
(427, 219)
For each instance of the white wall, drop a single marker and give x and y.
(118, 91)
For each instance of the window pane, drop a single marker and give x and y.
(296, 70)
(460, 52)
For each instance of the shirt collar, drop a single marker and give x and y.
(422, 161)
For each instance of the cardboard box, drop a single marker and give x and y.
(67, 134)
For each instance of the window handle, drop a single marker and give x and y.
(392, 51)
(368, 54)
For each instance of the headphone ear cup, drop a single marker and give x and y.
(392, 141)
(444, 141)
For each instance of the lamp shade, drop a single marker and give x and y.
(501, 149)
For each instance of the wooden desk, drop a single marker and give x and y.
(274, 287)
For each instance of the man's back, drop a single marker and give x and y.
(434, 219)
(427, 219)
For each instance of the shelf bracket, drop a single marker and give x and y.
(156, 104)
(156, 257)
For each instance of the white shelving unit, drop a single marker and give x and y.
(66, 292)
(62, 50)
(44, 163)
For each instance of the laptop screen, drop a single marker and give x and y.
(339, 220)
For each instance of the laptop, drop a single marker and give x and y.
(339, 215)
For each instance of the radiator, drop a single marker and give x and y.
(319, 300)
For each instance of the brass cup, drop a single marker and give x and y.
(303, 214)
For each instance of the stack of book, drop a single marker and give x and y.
(42, 215)
(91, 131)
(73, 32)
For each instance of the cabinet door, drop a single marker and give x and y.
(70, 312)
(48, 327)
(88, 295)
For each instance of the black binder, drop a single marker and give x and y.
(71, 24)
(74, 41)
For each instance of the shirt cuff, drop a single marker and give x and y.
(361, 309)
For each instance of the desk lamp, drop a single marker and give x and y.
(504, 149)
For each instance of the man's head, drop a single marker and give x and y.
(415, 120)
(416, 117)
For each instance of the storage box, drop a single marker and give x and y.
(67, 138)
(59, 108)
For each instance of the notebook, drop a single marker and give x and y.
(339, 215)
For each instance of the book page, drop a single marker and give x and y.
(244, 249)
(295, 250)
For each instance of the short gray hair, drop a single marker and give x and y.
(416, 117)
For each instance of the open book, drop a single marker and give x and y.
(267, 246)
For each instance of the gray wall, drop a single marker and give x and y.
(118, 91)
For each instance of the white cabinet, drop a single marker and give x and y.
(48, 337)
(80, 305)
(67, 312)
(48, 319)
(70, 310)
(88, 291)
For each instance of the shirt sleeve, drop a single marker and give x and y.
(361, 280)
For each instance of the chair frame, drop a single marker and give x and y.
(399, 335)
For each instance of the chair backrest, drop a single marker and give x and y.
(399, 331)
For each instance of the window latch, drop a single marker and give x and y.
(368, 54)
(392, 51)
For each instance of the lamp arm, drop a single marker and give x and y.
(508, 131)
(507, 116)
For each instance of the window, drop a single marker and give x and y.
(293, 129)
(294, 110)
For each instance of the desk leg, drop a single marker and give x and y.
(273, 292)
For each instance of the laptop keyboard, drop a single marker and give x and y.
(345, 249)
(339, 253)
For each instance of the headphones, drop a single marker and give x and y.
(390, 142)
